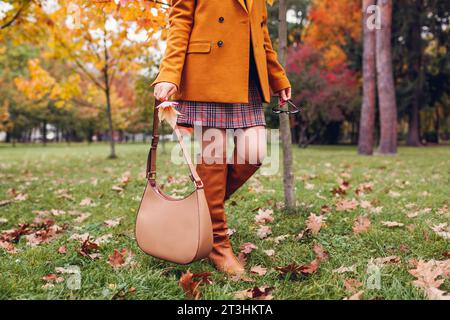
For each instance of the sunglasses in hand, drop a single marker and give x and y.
(278, 109)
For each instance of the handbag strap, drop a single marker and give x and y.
(151, 159)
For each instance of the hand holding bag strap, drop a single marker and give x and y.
(151, 160)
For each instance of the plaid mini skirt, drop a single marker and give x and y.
(225, 115)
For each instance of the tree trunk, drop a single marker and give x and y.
(367, 121)
(44, 133)
(437, 127)
(285, 128)
(112, 154)
(415, 74)
(386, 88)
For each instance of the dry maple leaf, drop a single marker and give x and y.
(8, 246)
(343, 269)
(231, 231)
(309, 186)
(5, 202)
(241, 277)
(82, 217)
(279, 239)
(21, 197)
(412, 214)
(445, 211)
(341, 189)
(346, 205)
(320, 252)
(44, 235)
(119, 259)
(442, 230)
(296, 270)
(365, 204)
(325, 209)
(310, 267)
(248, 247)
(259, 270)
(86, 202)
(106, 238)
(190, 286)
(125, 179)
(256, 293)
(52, 278)
(112, 222)
(263, 232)
(116, 259)
(292, 268)
(301, 234)
(68, 270)
(79, 237)
(382, 261)
(89, 249)
(352, 285)
(269, 252)
(117, 188)
(364, 188)
(376, 210)
(204, 277)
(57, 212)
(392, 224)
(356, 296)
(168, 113)
(242, 258)
(314, 223)
(394, 194)
(62, 250)
(63, 193)
(430, 276)
(264, 216)
(361, 224)
(14, 235)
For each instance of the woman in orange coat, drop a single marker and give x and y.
(220, 67)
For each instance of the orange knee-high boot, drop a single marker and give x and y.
(214, 177)
(237, 175)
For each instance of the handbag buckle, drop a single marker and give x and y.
(198, 183)
(151, 175)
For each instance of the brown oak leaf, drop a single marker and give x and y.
(361, 224)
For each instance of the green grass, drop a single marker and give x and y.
(39, 172)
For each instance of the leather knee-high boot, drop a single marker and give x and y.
(237, 175)
(214, 177)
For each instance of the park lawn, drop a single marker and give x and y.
(414, 181)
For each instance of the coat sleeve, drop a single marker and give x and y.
(181, 18)
(277, 76)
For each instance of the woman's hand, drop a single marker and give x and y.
(284, 95)
(163, 90)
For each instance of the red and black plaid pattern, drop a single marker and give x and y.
(225, 115)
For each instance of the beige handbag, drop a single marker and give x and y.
(176, 230)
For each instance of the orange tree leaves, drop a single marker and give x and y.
(333, 24)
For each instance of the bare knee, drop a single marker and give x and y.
(213, 145)
(250, 145)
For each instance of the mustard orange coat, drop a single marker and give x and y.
(208, 47)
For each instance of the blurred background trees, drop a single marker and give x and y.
(80, 71)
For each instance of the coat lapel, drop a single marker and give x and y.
(249, 4)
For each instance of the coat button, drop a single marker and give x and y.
(220, 43)
(221, 19)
